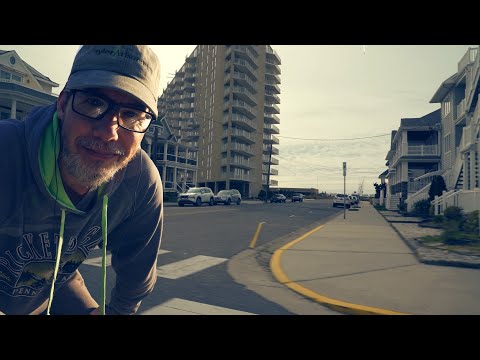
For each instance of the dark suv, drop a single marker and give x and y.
(297, 197)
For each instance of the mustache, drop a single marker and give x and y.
(100, 146)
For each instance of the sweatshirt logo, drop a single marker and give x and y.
(30, 266)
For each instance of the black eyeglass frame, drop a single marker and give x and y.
(111, 105)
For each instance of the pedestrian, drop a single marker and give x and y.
(74, 177)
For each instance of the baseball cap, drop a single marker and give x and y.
(134, 69)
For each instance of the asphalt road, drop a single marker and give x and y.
(197, 245)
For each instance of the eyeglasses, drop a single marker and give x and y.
(95, 107)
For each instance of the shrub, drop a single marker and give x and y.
(438, 219)
(422, 208)
(453, 213)
(471, 222)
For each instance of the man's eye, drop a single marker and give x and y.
(131, 115)
(95, 102)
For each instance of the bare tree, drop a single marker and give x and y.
(360, 188)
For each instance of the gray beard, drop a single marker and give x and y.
(90, 174)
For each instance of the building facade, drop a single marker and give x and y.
(224, 102)
(414, 152)
(453, 149)
(22, 87)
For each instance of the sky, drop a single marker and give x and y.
(328, 93)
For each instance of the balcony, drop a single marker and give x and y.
(271, 87)
(271, 118)
(242, 107)
(240, 134)
(241, 121)
(273, 161)
(271, 108)
(242, 93)
(271, 67)
(469, 139)
(243, 149)
(242, 79)
(273, 78)
(240, 162)
(468, 58)
(272, 55)
(266, 149)
(272, 97)
(461, 110)
(270, 139)
(270, 129)
(416, 151)
(244, 66)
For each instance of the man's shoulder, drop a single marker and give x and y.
(11, 131)
(144, 166)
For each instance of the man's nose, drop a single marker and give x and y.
(107, 128)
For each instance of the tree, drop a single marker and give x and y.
(437, 187)
(360, 188)
(378, 188)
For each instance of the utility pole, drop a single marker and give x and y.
(268, 172)
(344, 187)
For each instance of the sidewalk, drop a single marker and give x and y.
(360, 265)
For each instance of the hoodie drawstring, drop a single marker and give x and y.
(104, 258)
(57, 262)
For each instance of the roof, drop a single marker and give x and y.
(444, 89)
(383, 174)
(430, 119)
(34, 71)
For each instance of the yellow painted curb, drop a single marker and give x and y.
(337, 305)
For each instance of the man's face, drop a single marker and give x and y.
(94, 150)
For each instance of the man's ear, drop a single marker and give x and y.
(62, 103)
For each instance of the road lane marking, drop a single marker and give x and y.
(97, 261)
(255, 237)
(178, 306)
(188, 266)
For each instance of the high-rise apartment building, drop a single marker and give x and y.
(224, 102)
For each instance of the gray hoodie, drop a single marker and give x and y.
(30, 225)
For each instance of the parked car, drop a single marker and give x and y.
(227, 197)
(278, 198)
(196, 196)
(297, 197)
(338, 200)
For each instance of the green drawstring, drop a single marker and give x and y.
(104, 257)
(57, 262)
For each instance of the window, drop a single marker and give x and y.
(446, 108)
(17, 78)
(447, 143)
(4, 75)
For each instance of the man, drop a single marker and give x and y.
(62, 168)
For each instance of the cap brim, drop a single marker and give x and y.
(111, 80)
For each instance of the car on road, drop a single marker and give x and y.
(341, 199)
(297, 197)
(196, 196)
(226, 197)
(278, 198)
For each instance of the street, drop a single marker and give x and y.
(198, 243)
